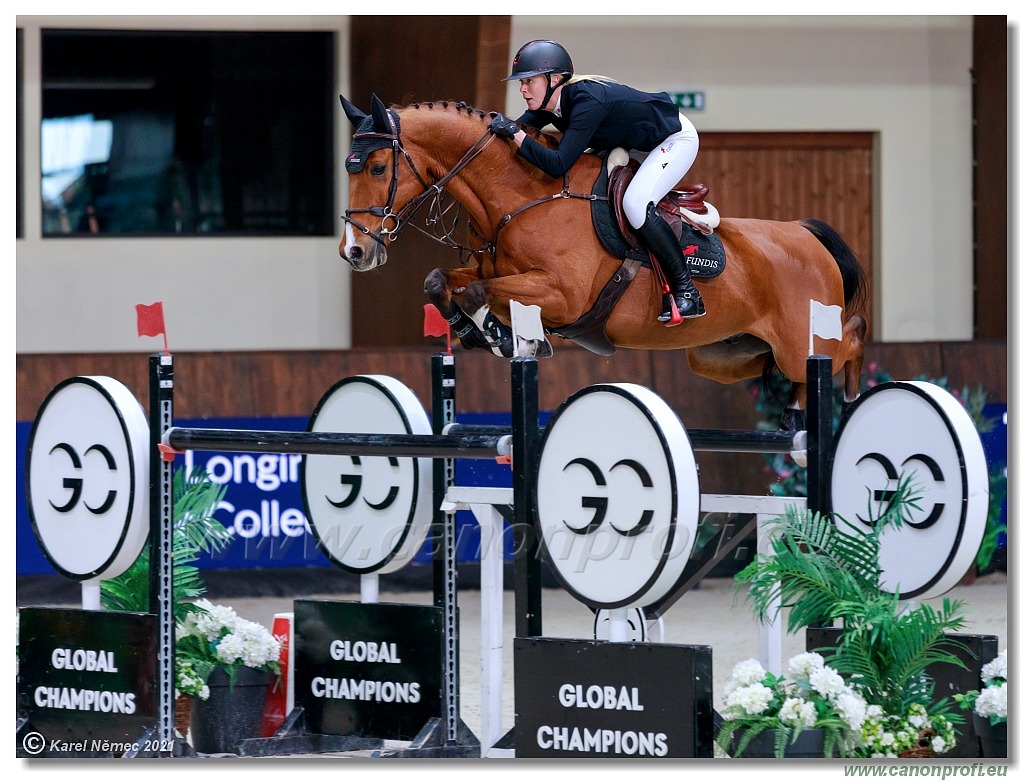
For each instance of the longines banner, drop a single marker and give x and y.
(263, 502)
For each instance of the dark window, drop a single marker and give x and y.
(154, 133)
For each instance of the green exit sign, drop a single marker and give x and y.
(688, 101)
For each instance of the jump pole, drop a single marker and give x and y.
(443, 449)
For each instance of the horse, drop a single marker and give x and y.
(538, 246)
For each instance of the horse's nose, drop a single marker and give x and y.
(349, 248)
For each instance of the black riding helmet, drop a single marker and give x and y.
(537, 57)
(541, 57)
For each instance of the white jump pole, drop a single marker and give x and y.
(482, 502)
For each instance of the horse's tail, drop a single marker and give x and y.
(854, 288)
(854, 280)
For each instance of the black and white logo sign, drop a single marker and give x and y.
(918, 431)
(617, 496)
(369, 514)
(86, 470)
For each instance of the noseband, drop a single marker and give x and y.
(432, 192)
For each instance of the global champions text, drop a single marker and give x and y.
(601, 740)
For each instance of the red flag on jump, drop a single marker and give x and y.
(151, 321)
(434, 324)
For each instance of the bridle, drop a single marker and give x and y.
(434, 193)
(392, 222)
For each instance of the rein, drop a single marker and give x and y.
(434, 193)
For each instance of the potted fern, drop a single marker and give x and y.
(195, 532)
(825, 569)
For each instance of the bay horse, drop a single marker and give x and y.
(538, 246)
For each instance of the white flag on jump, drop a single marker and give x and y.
(826, 322)
(526, 323)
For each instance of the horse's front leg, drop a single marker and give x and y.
(438, 287)
(530, 288)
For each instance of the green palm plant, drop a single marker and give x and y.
(195, 532)
(826, 570)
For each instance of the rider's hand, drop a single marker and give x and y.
(503, 126)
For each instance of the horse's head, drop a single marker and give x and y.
(375, 187)
(405, 158)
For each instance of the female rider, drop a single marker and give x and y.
(601, 114)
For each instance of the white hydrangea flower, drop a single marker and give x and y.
(992, 701)
(752, 699)
(230, 648)
(938, 744)
(803, 665)
(994, 669)
(747, 672)
(258, 645)
(798, 713)
(852, 708)
(917, 716)
(827, 681)
(213, 620)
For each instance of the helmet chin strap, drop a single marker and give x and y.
(550, 91)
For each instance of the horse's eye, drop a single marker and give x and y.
(378, 169)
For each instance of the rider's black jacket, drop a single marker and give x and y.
(600, 115)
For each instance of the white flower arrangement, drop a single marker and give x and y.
(888, 735)
(214, 635)
(813, 696)
(189, 680)
(991, 700)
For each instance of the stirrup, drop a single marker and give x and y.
(672, 314)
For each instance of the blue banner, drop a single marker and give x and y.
(262, 503)
(263, 500)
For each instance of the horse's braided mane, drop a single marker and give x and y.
(461, 106)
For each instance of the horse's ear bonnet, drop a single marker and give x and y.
(374, 131)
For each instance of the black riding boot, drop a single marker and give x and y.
(662, 242)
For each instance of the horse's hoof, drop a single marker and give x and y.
(544, 350)
(473, 340)
(533, 348)
(793, 420)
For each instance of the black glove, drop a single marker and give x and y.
(503, 126)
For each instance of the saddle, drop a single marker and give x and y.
(686, 204)
(691, 218)
(686, 211)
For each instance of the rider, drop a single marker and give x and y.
(598, 113)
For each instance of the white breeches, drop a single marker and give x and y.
(662, 169)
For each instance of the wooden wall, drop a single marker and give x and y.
(273, 383)
(403, 59)
(792, 176)
(991, 238)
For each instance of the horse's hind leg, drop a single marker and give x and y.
(854, 332)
